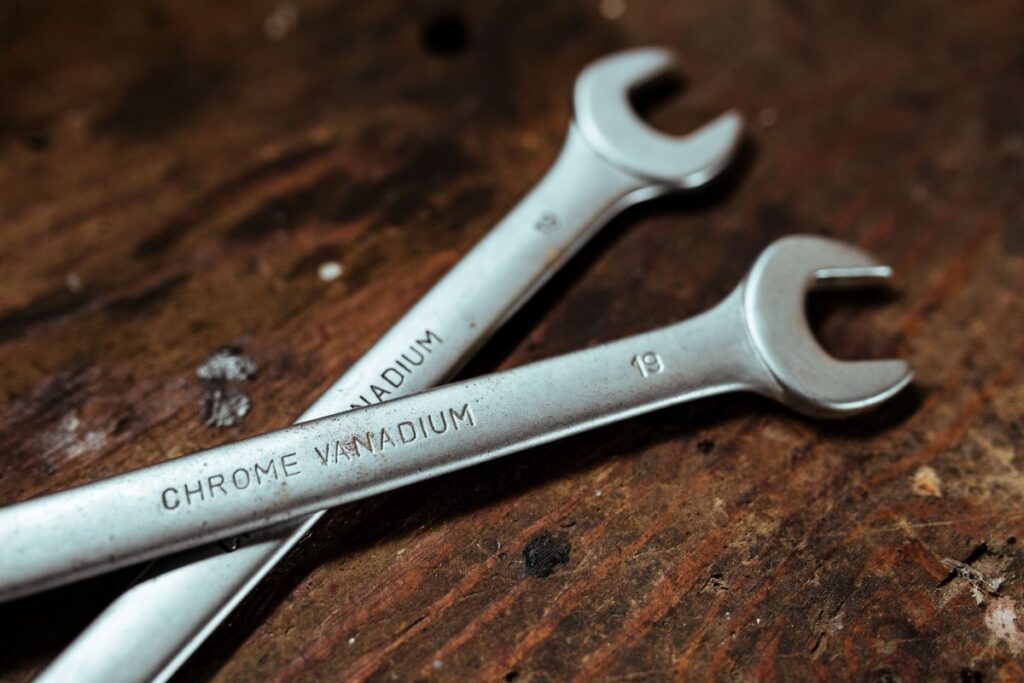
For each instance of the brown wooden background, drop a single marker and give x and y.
(173, 174)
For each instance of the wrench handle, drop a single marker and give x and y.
(289, 473)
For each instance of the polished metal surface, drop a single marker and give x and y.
(286, 474)
(609, 124)
(610, 160)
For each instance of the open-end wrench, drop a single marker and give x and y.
(756, 340)
(610, 160)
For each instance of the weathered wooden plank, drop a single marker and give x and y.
(175, 176)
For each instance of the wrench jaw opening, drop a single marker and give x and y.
(610, 125)
(812, 382)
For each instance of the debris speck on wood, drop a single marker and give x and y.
(280, 22)
(74, 282)
(329, 271)
(223, 406)
(70, 422)
(1001, 621)
(768, 117)
(228, 365)
(926, 482)
(979, 584)
(612, 9)
(716, 583)
(224, 403)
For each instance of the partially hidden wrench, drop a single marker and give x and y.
(756, 340)
(610, 161)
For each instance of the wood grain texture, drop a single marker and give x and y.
(173, 176)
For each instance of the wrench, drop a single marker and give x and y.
(756, 340)
(610, 161)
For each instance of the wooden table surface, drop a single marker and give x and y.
(175, 175)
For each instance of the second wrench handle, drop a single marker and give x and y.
(485, 288)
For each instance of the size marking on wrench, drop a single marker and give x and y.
(547, 223)
(649, 363)
(756, 340)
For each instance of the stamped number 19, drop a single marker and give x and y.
(648, 363)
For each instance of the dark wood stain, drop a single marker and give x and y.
(544, 553)
(148, 300)
(174, 230)
(49, 306)
(164, 97)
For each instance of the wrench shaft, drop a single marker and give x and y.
(289, 473)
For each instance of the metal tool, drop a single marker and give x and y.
(756, 340)
(610, 161)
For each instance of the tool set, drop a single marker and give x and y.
(379, 427)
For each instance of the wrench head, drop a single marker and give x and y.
(606, 118)
(774, 294)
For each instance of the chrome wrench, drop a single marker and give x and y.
(756, 340)
(610, 161)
